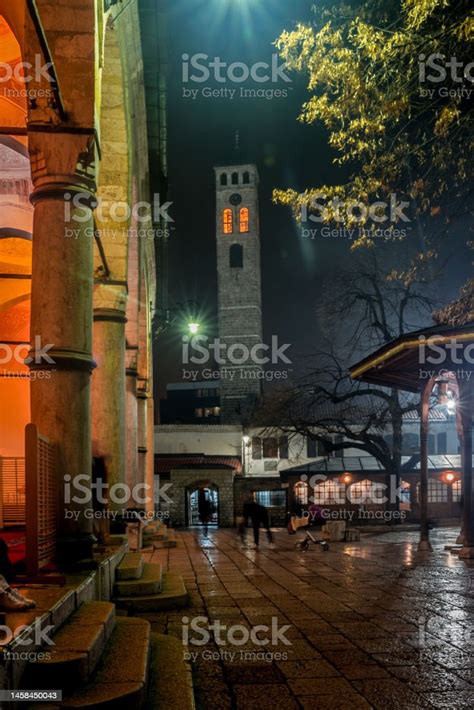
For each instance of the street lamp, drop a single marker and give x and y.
(194, 327)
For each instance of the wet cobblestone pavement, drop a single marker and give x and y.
(371, 624)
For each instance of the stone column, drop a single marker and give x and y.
(108, 384)
(142, 442)
(131, 422)
(61, 316)
(150, 457)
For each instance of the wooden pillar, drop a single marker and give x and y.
(466, 403)
(424, 543)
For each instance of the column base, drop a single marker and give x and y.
(74, 553)
(466, 553)
(460, 539)
(425, 546)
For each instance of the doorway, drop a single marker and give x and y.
(192, 511)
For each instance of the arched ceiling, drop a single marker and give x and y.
(14, 15)
(12, 98)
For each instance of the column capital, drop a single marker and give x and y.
(62, 162)
(110, 302)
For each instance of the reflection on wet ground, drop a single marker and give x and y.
(370, 624)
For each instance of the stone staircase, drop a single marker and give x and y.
(143, 587)
(102, 661)
(101, 656)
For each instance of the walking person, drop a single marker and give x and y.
(205, 509)
(258, 515)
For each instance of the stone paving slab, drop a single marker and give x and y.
(371, 625)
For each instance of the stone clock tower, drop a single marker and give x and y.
(239, 289)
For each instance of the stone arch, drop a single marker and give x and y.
(111, 300)
(190, 489)
(16, 215)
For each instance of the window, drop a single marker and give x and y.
(336, 439)
(235, 178)
(271, 499)
(227, 221)
(224, 179)
(256, 447)
(283, 447)
(362, 492)
(405, 501)
(404, 492)
(200, 393)
(456, 491)
(244, 220)
(437, 491)
(270, 448)
(431, 444)
(314, 448)
(442, 443)
(300, 493)
(329, 493)
(198, 412)
(246, 178)
(410, 444)
(236, 256)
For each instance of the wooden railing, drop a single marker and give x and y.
(41, 502)
(12, 491)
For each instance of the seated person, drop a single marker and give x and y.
(10, 599)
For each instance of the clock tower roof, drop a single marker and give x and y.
(237, 155)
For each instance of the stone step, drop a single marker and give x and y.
(154, 534)
(169, 541)
(173, 595)
(149, 583)
(77, 648)
(170, 683)
(121, 677)
(117, 539)
(131, 567)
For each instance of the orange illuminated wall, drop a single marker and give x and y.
(16, 217)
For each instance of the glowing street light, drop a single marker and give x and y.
(194, 328)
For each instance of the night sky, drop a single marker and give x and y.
(288, 154)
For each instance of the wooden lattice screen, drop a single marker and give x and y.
(12, 491)
(41, 501)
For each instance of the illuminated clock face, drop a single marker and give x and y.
(235, 199)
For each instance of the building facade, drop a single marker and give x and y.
(286, 471)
